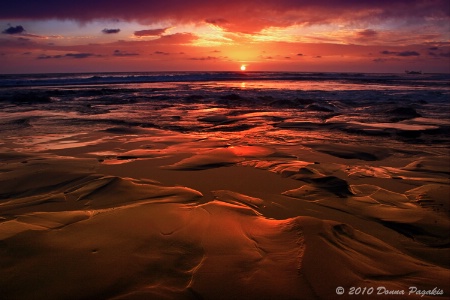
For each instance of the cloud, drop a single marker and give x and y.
(204, 58)
(70, 55)
(161, 53)
(219, 21)
(249, 15)
(177, 38)
(110, 31)
(170, 44)
(408, 53)
(124, 53)
(43, 56)
(367, 33)
(79, 55)
(14, 30)
(19, 30)
(150, 32)
(403, 53)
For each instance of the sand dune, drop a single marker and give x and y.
(77, 234)
(221, 157)
(368, 153)
(391, 209)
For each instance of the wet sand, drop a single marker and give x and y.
(236, 207)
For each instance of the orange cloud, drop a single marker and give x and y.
(150, 32)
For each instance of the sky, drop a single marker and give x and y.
(51, 36)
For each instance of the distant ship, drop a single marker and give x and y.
(413, 72)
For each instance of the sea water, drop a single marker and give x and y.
(248, 107)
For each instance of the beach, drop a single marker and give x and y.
(225, 186)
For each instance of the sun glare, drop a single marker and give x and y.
(243, 68)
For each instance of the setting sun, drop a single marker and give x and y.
(243, 68)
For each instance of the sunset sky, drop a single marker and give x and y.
(207, 35)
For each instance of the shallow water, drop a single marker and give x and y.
(181, 185)
(262, 108)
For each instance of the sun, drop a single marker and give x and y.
(243, 67)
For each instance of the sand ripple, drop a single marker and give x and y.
(219, 191)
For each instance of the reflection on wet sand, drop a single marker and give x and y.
(222, 191)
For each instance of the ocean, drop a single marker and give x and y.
(255, 107)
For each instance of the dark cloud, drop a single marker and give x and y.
(110, 31)
(71, 55)
(150, 32)
(299, 54)
(408, 53)
(433, 48)
(403, 53)
(219, 21)
(204, 58)
(367, 33)
(161, 53)
(124, 53)
(14, 30)
(43, 56)
(249, 15)
(437, 55)
(79, 55)
(19, 30)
